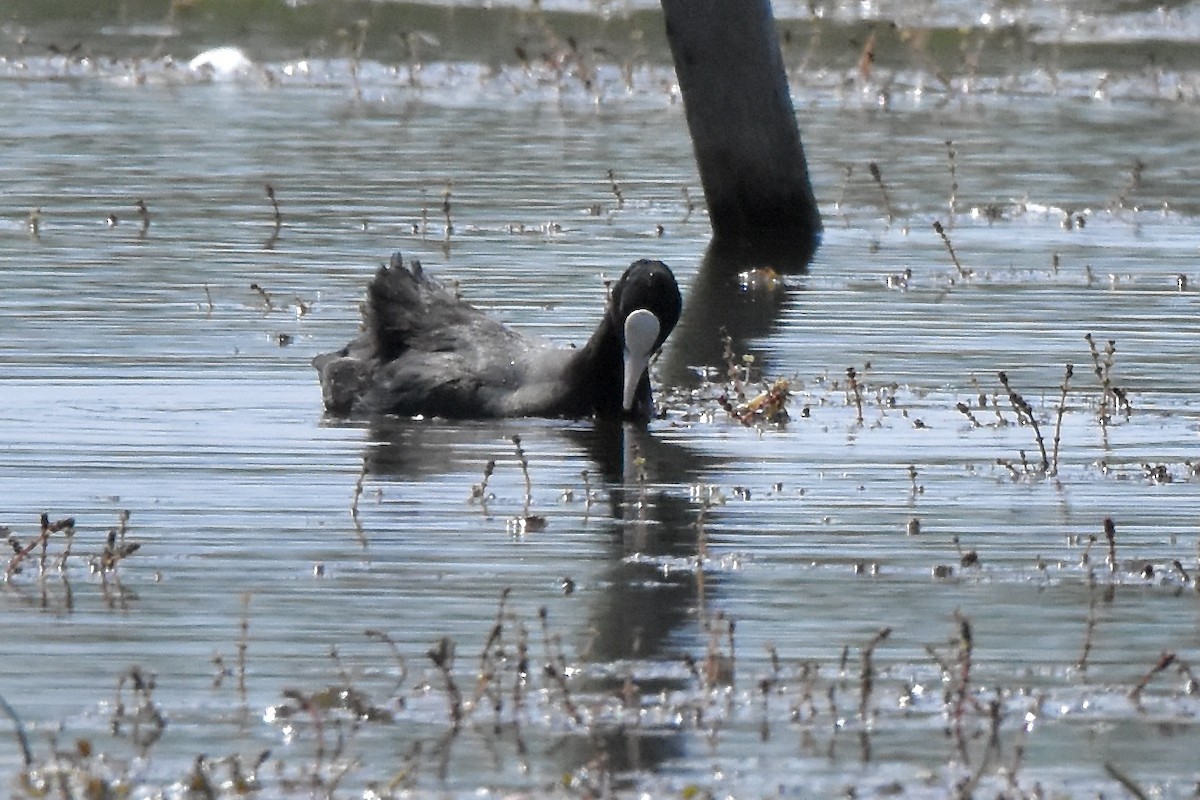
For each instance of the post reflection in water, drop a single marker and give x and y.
(737, 293)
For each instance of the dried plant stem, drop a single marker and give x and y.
(965, 410)
(144, 216)
(868, 673)
(616, 189)
(847, 174)
(1101, 370)
(14, 564)
(446, 208)
(852, 379)
(555, 667)
(689, 205)
(963, 272)
(887, 201)
(1126, 782)
(953, 203)
(442, 656)
(397, 656)
(1165, 660)
(278, 216)
(966, 644)
(358, 490)
(587, 490)
(1089, 629)
(1024, 411)
(243, 644)
(524, 462)
(491, 660)
(263, 295)
(1012, 471)
(69, 531)
(1110, 534)
(480, 491)
(1058, 421)
(19, 729)
(1112, 397)
(1000, 420)
(733, 370)
(521, 675)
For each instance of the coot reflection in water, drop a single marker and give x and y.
(425, 351)
(639, 614)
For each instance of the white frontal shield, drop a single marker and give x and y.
(641, 332)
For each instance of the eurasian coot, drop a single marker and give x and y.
(425, 351)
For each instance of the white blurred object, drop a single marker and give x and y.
(221, 63)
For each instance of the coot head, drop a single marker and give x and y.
(643, 309)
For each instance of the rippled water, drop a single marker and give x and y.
(714, 594)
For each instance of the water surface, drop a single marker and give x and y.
(714, 594)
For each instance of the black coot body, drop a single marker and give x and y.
(425, 351)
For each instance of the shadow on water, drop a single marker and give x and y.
(642, 610)
(737, 292)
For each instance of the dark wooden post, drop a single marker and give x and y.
(743, 126)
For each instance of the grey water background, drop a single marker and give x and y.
(141, 372)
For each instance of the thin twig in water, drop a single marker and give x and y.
(887, 201)
(1165, 660)
(689, 204)
(1120, 777)
(1112, 398)
(144, 216)
(358, 490)
(274, 205)
(965, 410)
(1110, 534)
(19, 729)
(849, 171)
(263, 295)
(1058, 422)
(963, 272)
(442, 656)
(397, 656)
(1090, 628)
(479, 491)
(616, 189)
(446, 208)
(243, 645)
(868, 673)
(524, 462)
(950, 156)
(852, 379)
(1024, 411)
(555, 667)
